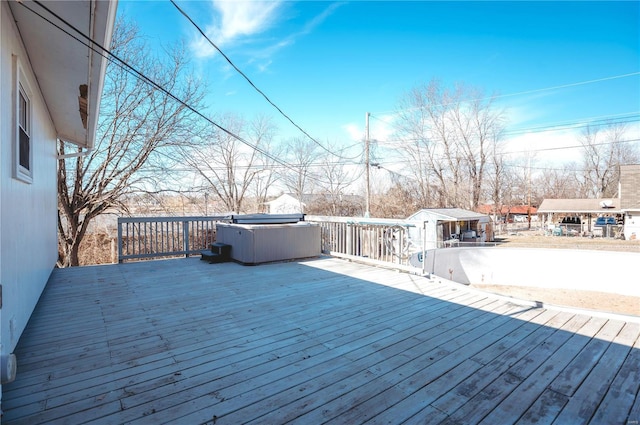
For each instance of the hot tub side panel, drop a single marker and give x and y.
(255, 244)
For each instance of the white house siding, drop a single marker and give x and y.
(28, 229)
(285, 204)
(632, 224)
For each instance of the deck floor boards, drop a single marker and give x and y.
(315, 341)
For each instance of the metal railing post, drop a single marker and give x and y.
(185, 236)
(119, 241)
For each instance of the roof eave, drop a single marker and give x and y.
(103, 33)
(63, 42)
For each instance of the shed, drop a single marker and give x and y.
(451, 227)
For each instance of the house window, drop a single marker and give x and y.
(23, 149)
(24, 144)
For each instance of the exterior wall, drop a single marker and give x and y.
(630, 187)
(632, 224)
(630, 200)
(28, 227)
(285, 204)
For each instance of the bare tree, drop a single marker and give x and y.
(228, 162)
(519, 180)
(424, 136)
(334, 180)
(478, 126)
(561, 182)
(396, 202)
(266, 177)
(137, 121)
(299, 177)
(447, 135)
(604, 150)
(497, 182)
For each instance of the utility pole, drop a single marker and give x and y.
(366, 160)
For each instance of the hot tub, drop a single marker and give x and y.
(264, 243)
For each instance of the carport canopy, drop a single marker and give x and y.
(580, 206)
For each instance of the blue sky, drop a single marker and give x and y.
(326, 64)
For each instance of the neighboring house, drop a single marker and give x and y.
(317, 204)
(624, 210)
(286, 204)
(630, 199)
(510, 214)
(50, 89)
(449, 226)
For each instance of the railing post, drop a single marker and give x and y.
(185, 237)
(119, 240)
(424, 247)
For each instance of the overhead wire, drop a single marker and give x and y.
(624, 118)
(555, 148)
(562, 86)
(107, 54)
(388, 162)
(251, 83)
(595, 121)
(111, 56)
(575, 124)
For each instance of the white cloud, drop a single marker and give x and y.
(554, 148)
(559, 144)
(236, 19)
(319, 19)
(354, 131)
(267, 52)
(381, 129)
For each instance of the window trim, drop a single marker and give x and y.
(22, 90)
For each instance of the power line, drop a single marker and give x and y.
(138, 74)
(248, 79)
(576, 124)
(605, 120)
(580, 83)
(400, 159)
(562, 86)
(107, 54)
(616, 142)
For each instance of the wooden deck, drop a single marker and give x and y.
(319, 341)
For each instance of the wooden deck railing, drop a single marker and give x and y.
(396, 243)
(154, 237)
(384, 241)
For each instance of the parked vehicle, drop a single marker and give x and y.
(605, 221)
